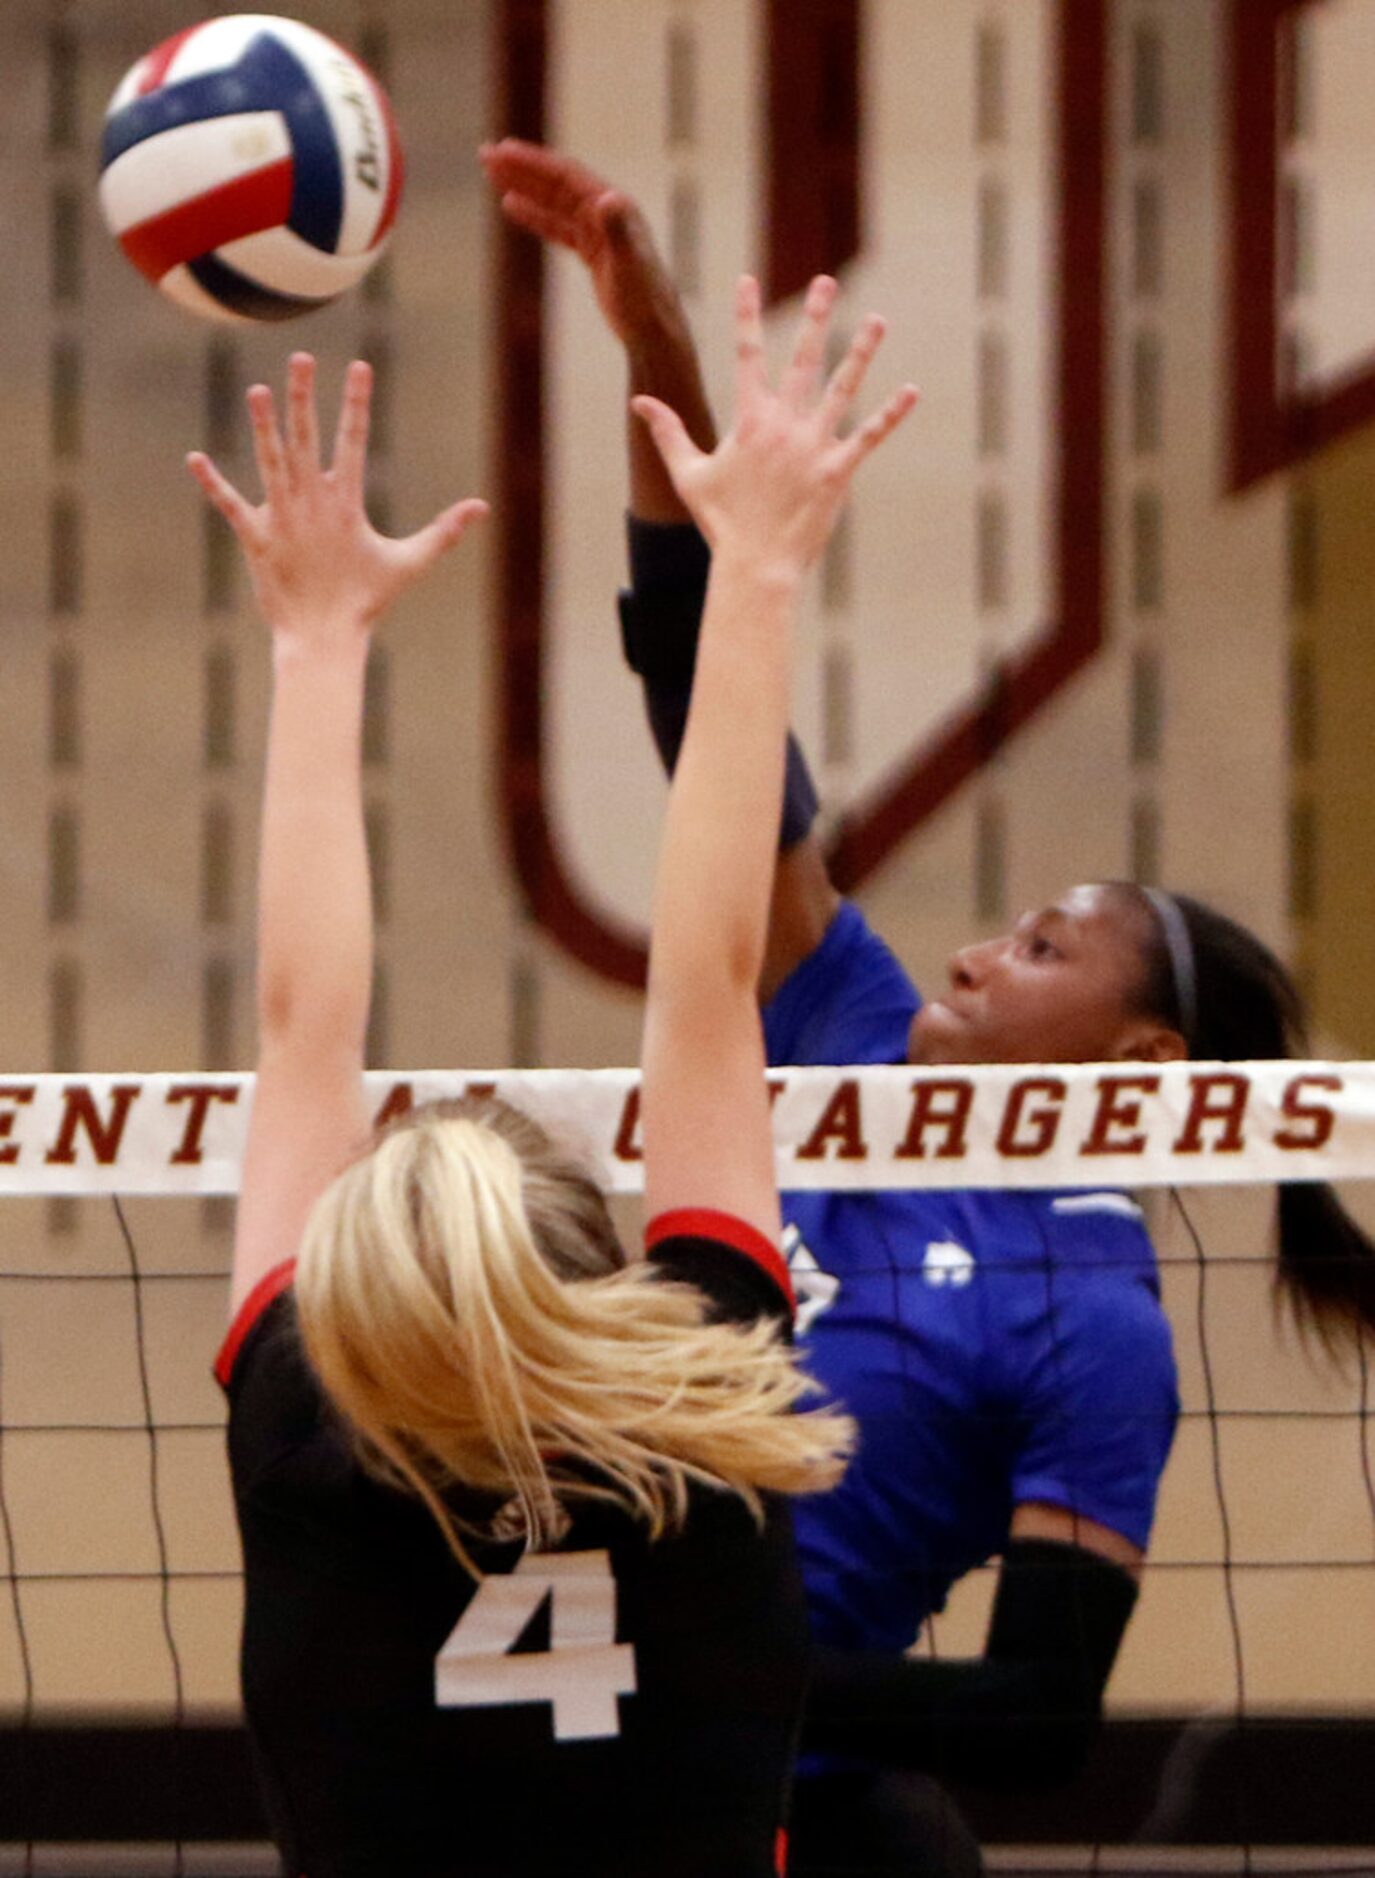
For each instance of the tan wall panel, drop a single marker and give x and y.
(1179, 1645)
(98, 1647)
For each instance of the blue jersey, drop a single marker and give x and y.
(995, 1347)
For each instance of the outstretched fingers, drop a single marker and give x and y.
(420, 551)
(222, 494)
(545, 223)
(804, 372)
(351, 434)
(302, 424)
(849, 375)
(559, 183)
(751, 369)
(873, 430)
(267, 442)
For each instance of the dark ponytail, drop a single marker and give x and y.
(1326, 1263)
(1245, 1005)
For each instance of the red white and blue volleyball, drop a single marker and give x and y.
(250, 168)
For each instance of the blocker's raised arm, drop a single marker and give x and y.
(766, 499)
(322, 576)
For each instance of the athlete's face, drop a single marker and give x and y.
(1064, 986)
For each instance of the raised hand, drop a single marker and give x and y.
(563, 201)
(773, 487)
(319, 568)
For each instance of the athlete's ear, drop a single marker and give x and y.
(1149, 1041)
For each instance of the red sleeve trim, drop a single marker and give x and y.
(703, 1222)
(263, 1293)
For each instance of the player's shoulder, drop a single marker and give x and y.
(851, 947)
(737, 1268)
(1077, 1313)
(1076, 1235)
(849, 1001)
(276, 1404)
(1097, 1227)
(266, 1316)
(1106, 1295)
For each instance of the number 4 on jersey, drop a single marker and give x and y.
(582, 1672)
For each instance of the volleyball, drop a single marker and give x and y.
(250, 168)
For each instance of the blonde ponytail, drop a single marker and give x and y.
(468, 1309)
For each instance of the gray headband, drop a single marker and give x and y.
(1183, 966)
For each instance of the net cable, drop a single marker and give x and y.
(21, 1632)
(1224, 1515)
(164, 1572)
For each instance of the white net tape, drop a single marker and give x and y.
(1019, 1125)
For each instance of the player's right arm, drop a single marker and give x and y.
(766, 500)
(322, 577)
(1024, 1713)
(1095, 1426)
(561, 200)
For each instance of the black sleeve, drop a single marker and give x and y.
(1023, 1714)
(661, 617)
(661, 612)
(276, 1405)
(740, 1271)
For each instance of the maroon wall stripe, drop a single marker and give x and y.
(1004, 704)
(1253, 109)
(552, 897)
(812, 133)
(1272, 425)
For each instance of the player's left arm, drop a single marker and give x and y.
(1099, 1422)
(322, 577)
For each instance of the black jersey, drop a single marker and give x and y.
(615, 1706)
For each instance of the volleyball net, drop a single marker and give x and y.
(1241, 1713)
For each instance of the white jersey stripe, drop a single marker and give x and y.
(1097, 1203)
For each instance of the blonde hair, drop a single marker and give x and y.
(468, 1308)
